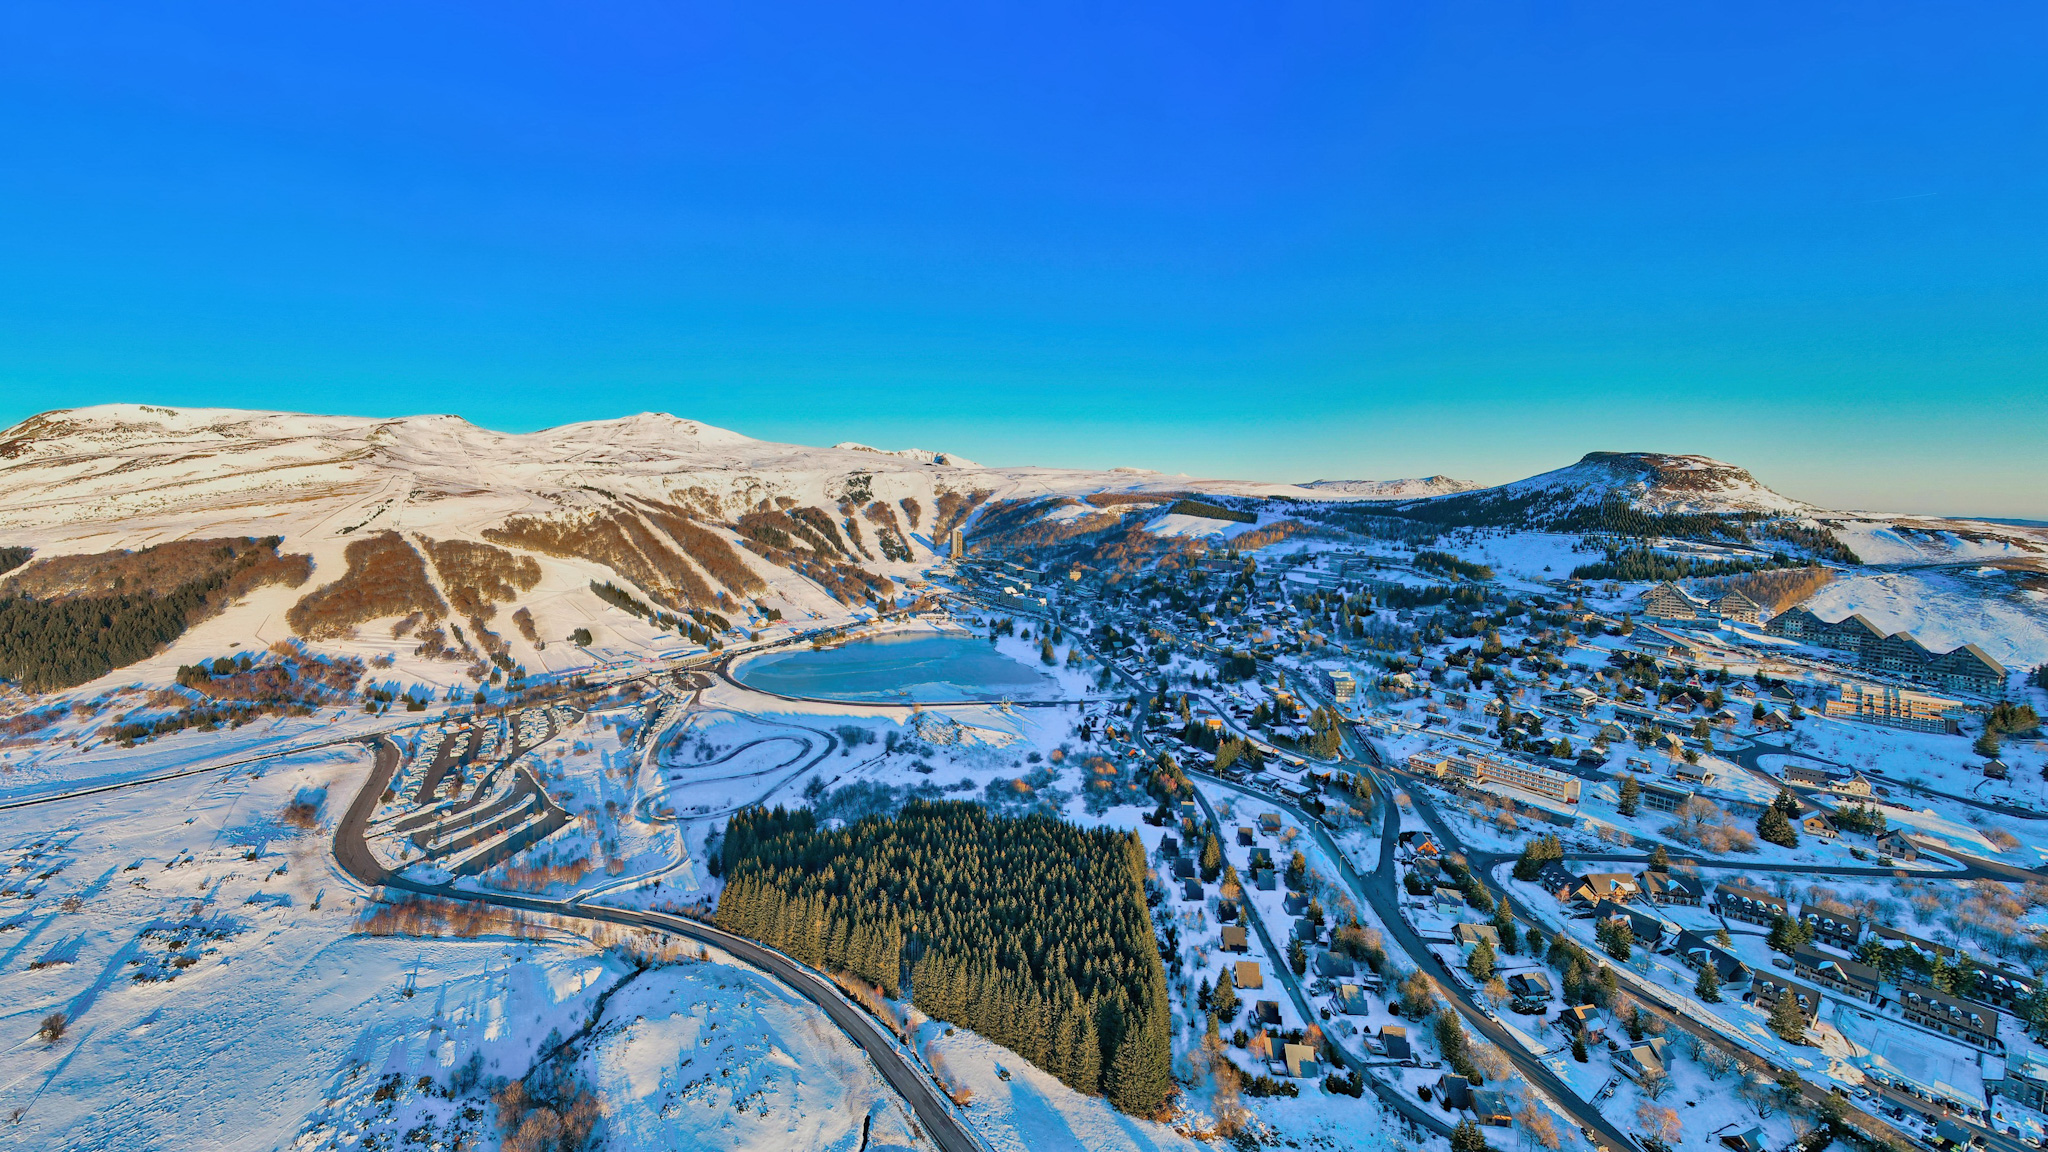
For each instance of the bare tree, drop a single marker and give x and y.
(53, 1027)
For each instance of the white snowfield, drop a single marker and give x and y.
(1414, 488)
(1656, 482)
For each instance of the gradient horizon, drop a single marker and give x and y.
(1343, 241)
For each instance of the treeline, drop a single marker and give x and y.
(1451, 565)
(1032, 932)
(697, 631)
(14, 556)
(1211, 511)
(1636, 564)
(1775, 589)
(65, 640)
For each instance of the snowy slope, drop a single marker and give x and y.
(1649, 481)
(1416, 488)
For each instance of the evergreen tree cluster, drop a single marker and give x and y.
(1536, 853)
(1032, 932)
(55, 642)
(1650, 564)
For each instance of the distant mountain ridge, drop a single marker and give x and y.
(1410, 489)
(1654, 483)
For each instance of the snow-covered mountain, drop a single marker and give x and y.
(1415, 488)
(1652, 482)
(416, 524)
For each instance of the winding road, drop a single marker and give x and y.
(898, 1066)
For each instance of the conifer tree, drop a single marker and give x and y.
(1631, 795)
(1708, 987)
(1504, 927)
(1660, 860)
(1480, 963)
(1774, 828)
(1212, 858)
(1224, 999)
(1787, 1020)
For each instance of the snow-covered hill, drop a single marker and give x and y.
(1415, 488)
(401, 516)
(1647, 482)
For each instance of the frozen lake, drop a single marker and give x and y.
(924, 667)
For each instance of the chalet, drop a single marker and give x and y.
(1665, 888)
(1264, 880)
(1769, 986)
(1583, 1021)
(2006, 990)
(1267, 1013)
(1647, 930)
(1895, 845)
(1351, 1000)
(1697, 952)
(1966, 1020)
(1183, 869)
(1301, 1061)
(1269, 823)
(1558, 881)
(1614, 886)
(1294, 903)
(1530, 987)
(1191, 891)
(1750, 1139)
(1335, 965)
(1468, 936)
(1306, 931)
(1643, 1062)
(1817, 824)
(1448, 898)
(1244, 836)
(1857, 785)
(1395, 1039)
(1261, 858)
(1169, 847)
(1235, 938)
(1454, 1090)
(1893, 938)
(1751, 905)
(1847, 977)
(1995, 770)
(1247, 974)
(1490, 1106)
(1774, 721)
(1834, 929)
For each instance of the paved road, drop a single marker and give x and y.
(1383, 902)
(1483, 864)
(1390, 1095)
(896, 1064)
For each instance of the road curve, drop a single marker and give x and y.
(934, 1111)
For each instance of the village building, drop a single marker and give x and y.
(1769, 987)
(1751, 905)
(1665, 888)
(1848, 977)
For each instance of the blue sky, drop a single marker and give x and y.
(1280, 241)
